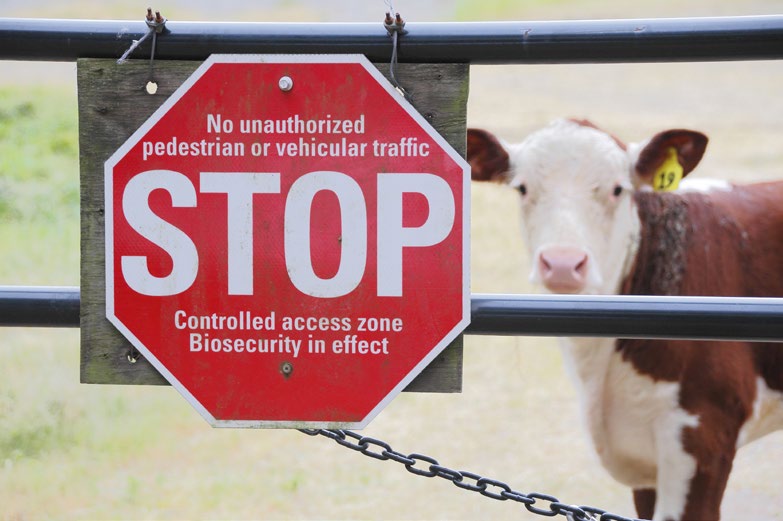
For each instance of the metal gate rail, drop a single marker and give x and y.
(695, 318)
(593, 41)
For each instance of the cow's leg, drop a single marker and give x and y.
(714, 445)
(644, 500)
(707, 489)
(676, 467)
(706, 452)
(720, 389)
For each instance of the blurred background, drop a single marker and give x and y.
(71, 451)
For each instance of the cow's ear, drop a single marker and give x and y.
(669, 149)
(488, 158)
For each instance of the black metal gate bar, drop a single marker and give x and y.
(702, 318)
(39, 306)
(595, 41)
(622, 316)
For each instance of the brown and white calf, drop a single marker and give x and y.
(665, 417)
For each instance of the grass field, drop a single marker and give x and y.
(69, 451)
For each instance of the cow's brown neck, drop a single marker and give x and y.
(660, 260)
(730, 243)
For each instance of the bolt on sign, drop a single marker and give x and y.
(287, 241)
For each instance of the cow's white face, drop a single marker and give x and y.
(576, 184)
(578, 217)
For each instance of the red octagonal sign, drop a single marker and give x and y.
(286, 241)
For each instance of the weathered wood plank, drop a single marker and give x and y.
(113, 103)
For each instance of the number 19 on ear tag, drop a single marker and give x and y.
(667, 178)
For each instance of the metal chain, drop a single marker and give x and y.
(421, 465)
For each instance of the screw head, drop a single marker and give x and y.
(285, 83)
(286, 368)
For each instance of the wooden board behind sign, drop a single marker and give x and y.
(113, 103)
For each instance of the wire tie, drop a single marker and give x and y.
(155, 26)
(395, 27)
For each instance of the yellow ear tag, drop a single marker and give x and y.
(667, 178)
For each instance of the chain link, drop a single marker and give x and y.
(421, 465)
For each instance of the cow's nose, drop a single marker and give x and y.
(563, 269)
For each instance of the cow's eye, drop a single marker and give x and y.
(617, 190)
(522, 189)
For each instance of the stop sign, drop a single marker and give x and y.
(287, 241)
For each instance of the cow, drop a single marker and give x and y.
(665, 417)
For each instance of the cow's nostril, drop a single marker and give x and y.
(581, 266)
